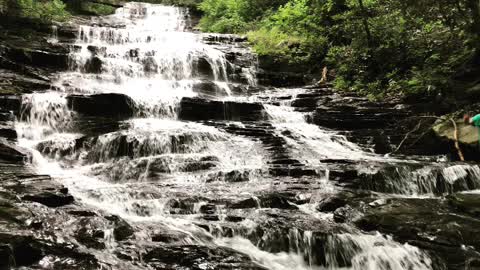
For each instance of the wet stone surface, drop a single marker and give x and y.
(158, 148)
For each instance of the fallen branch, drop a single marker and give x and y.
(455, 135)
(407, 136)
(457, 144)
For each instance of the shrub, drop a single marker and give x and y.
(52, 10)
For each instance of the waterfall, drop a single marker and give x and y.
(216, 181)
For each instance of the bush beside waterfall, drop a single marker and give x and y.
(50, 10)
(379, 48)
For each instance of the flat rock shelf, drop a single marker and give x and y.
(156, 147)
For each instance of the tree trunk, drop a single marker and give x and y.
(474, 7)
(365, 22)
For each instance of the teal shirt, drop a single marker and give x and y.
(476, 120)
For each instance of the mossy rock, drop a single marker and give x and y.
(467, 134)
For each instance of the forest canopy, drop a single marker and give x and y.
(379, 47)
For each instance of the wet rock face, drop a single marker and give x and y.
(27, 58)
(199, 257)
(38, 58)
(50, 199)
(9, 106)
(331, 204)
(230, 177)
(418, 178)
(466, 202)
(184, 198)
(281, 79)
(468, 137)
(12, 153)
(106, 105)
(223, 38)
(410, 220)
(208, 89)
(91, 238)
(10, 103)
(203, 68)
(197, 109)
(25, 217)
(122, 230)
(93, 65)
(43, 190)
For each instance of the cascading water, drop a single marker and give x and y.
(159, 172)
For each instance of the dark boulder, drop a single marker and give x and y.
(331, 204)
(202, 68)
(7, 259)
(56, 58)
(278, 201)
(209, 209)
(6, 116)
(94, 65)
(184, 206)
(90, 238)
(197, 109)
(466, 202)
(223, 38)
(208, 89)
(427, 223)
(346, 214)
(7, 130)
(234, 219)
(122, 230)
(150, 66)
(169, 237)
(467, 138)
(19, 250)
(10, 103)
(107, 105)
(97, 50)
(234, 176)
(42, 189)
(50, 198)
(244, 204)
(13, 153)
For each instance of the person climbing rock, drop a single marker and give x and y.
(474, 121)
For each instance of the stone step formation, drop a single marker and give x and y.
(160, 148)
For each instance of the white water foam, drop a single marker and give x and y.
(146, 54)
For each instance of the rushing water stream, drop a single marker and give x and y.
(160, 172)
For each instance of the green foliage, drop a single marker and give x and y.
(97, 9)
(377, 47)
(235, 16)
(414, 48)
(46, 10)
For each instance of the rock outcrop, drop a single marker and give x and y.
(112, 105)
(198, 109)
(468, 138)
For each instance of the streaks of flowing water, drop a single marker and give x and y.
(54, 38)
(374, 252)
(138, 171)
(44, 113)
(308, 141)
(150, 57)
